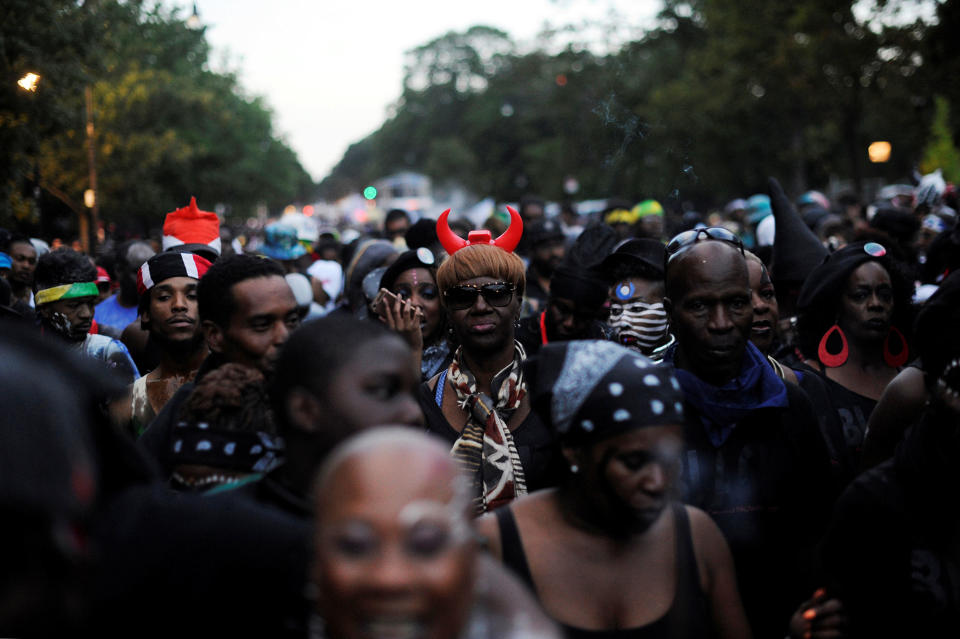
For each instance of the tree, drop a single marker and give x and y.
(716, 97)
(941, 152)
(166, 126)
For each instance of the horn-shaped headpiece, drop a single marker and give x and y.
(453, 242)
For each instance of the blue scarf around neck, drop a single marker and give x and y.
(722, 407)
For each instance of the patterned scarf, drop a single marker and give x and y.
(485, 449)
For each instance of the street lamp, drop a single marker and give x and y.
(879, 152)
(29, 82)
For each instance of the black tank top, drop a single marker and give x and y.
(688, 616)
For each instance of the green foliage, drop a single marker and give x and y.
(941, 152)
(719, 95)
(166, 127)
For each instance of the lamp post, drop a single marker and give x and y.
(88, 226)
(29, 83)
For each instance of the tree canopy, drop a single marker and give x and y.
(715, 97)
(166, 127)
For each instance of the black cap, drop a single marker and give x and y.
(422, 233)
(540, 231)
(900, 224)
(585, 287)
(420, 258)
(644, 254)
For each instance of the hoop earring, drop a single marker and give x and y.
(830, 359)
(898, 360)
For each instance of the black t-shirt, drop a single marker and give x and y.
(852, 412)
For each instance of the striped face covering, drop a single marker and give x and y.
(639, 325)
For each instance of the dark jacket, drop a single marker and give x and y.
(768, 488)
(892, 553)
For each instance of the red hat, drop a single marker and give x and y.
(102, 276)
(192, 230)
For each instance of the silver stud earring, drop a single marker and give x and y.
(574, 469)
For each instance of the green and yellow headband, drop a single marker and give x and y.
(65, 292)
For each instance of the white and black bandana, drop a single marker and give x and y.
(591, 389)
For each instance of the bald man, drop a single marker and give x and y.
(395, 551)
(754, 460)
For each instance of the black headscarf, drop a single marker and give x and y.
(590, 390)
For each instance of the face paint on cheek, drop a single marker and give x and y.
(61, 323)
(641, 325)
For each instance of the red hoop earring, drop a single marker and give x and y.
(898, 360)
(828, 358)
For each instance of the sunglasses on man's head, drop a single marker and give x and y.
(691, 237)
(462, 297)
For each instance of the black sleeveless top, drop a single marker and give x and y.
(688, 616)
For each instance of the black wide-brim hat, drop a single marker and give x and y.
(825, 282)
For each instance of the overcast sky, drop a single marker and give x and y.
(329, 69)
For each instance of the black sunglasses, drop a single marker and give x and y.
(688, 238)
(462, 297)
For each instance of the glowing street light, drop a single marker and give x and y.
(879, 151)
(89, 198)
(29, 82)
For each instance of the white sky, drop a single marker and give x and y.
(329, 69)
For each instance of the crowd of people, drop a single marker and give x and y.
(636, 423)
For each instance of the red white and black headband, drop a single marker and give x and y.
(163, 266)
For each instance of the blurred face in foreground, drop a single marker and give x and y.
(394, 554)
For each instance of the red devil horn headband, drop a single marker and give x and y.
(453, 242)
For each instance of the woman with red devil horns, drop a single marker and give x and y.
(479, 404)
(853, 315)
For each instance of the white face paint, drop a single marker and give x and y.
(451, 514)
(639, 325)
(61, 323)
